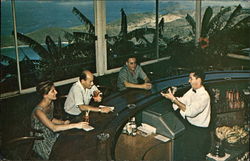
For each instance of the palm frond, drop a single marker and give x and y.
(244, 23)
(52, 48)
(124, 25)
(139, 33)
(112, 39)
(7, 59)
(59, 43)
(82, 36)
(235, 13)
(191, 21)
(205, 21)
(84, 19)
(69, 36)
(59, 48)
(161, 26)
(38, 48)
(216, 23)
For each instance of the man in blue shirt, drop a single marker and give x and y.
(129, 74)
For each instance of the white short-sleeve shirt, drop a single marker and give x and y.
(78, 96)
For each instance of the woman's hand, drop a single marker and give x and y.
(66, 122)
(81, 125)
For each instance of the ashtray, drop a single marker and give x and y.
(131, 106)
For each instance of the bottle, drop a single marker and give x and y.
(124, 130)
(129, 128)
(86, 116)
(133, 126)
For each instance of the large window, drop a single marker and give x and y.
(57, 39)
(54, 40)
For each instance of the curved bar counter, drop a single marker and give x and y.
(100, 143)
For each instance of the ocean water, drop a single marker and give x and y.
(34, 15)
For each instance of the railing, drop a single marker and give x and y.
(170, 71)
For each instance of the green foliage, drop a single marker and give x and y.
(192, 22)
(216, 22)
(219, 30)
(84, 19)
(231, 20)
(205, 21)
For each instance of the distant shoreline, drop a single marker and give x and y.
(9, 47)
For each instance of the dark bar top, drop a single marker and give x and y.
(99, 144)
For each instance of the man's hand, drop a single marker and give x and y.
(97, 96)
(147, 86)
(168, 95)
(105, 109)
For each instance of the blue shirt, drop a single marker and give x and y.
(131, 77)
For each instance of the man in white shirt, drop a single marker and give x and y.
(194, 107)
(80, 96)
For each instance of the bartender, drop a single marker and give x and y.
(194, 107)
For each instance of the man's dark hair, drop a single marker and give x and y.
(199, 74)
(128, 57)
(44, 87)
(83, 75)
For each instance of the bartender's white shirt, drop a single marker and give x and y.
(78, 96)
(198, 107)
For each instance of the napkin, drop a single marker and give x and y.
(111, 107)
(88, 127)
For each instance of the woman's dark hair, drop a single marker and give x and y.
(44, 87)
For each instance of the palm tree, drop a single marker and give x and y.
(57, 61)
(120, 45)
(133, 42)
(218, 32)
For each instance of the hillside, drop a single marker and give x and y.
(174, 24)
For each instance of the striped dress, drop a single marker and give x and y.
(43, 147)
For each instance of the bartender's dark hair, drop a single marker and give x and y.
(44, 87)
(199, 74)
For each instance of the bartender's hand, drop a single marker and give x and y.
(97, 96)
(147, 86)
(105, 109)
(168, 95)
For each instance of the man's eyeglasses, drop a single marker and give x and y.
(132, 63)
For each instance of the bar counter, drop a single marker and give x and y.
(100, 143)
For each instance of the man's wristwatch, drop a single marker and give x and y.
(99, 110)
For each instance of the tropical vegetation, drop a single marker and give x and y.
(221, 34)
